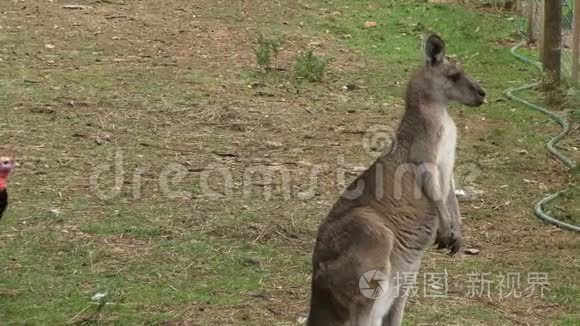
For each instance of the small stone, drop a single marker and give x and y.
(49, 46)
(468, 193)
(305, 195)
(471, 251)
(274, 144)
(100, 295)
(349, 87)
(370, 24)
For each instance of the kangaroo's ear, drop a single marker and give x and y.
(434, 50)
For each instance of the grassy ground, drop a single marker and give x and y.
(148, 87)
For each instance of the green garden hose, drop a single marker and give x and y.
(539, 208)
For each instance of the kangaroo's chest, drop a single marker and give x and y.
(445, 156)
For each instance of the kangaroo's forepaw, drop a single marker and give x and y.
(451, 241)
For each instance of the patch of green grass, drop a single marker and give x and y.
(498, 4)
(472, 36)
(263, 53)
(310, 67)
(180, 271)
(568, 295)
(267, 50)
(470, 315)
(570, 320)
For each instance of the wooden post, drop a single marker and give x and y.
(531, 8)
(540, 22)
(576, 41)
(551, 42)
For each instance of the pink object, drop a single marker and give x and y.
(6, 165)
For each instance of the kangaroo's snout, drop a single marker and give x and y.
(480, 98)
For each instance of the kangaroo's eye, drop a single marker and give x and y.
(455, 77)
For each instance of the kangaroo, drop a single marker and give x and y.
(397, 208)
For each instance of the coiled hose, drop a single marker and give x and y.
(539, 207)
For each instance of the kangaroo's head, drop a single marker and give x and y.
(442, 81)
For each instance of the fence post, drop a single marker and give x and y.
(552, 38)
(576, 41)
(530, 7)
(540, 22)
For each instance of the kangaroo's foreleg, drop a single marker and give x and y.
(454, 227)
(453, 208)
(446, 234)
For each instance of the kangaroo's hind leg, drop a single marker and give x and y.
(404, 285)
(395, 314)
(347, 249)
